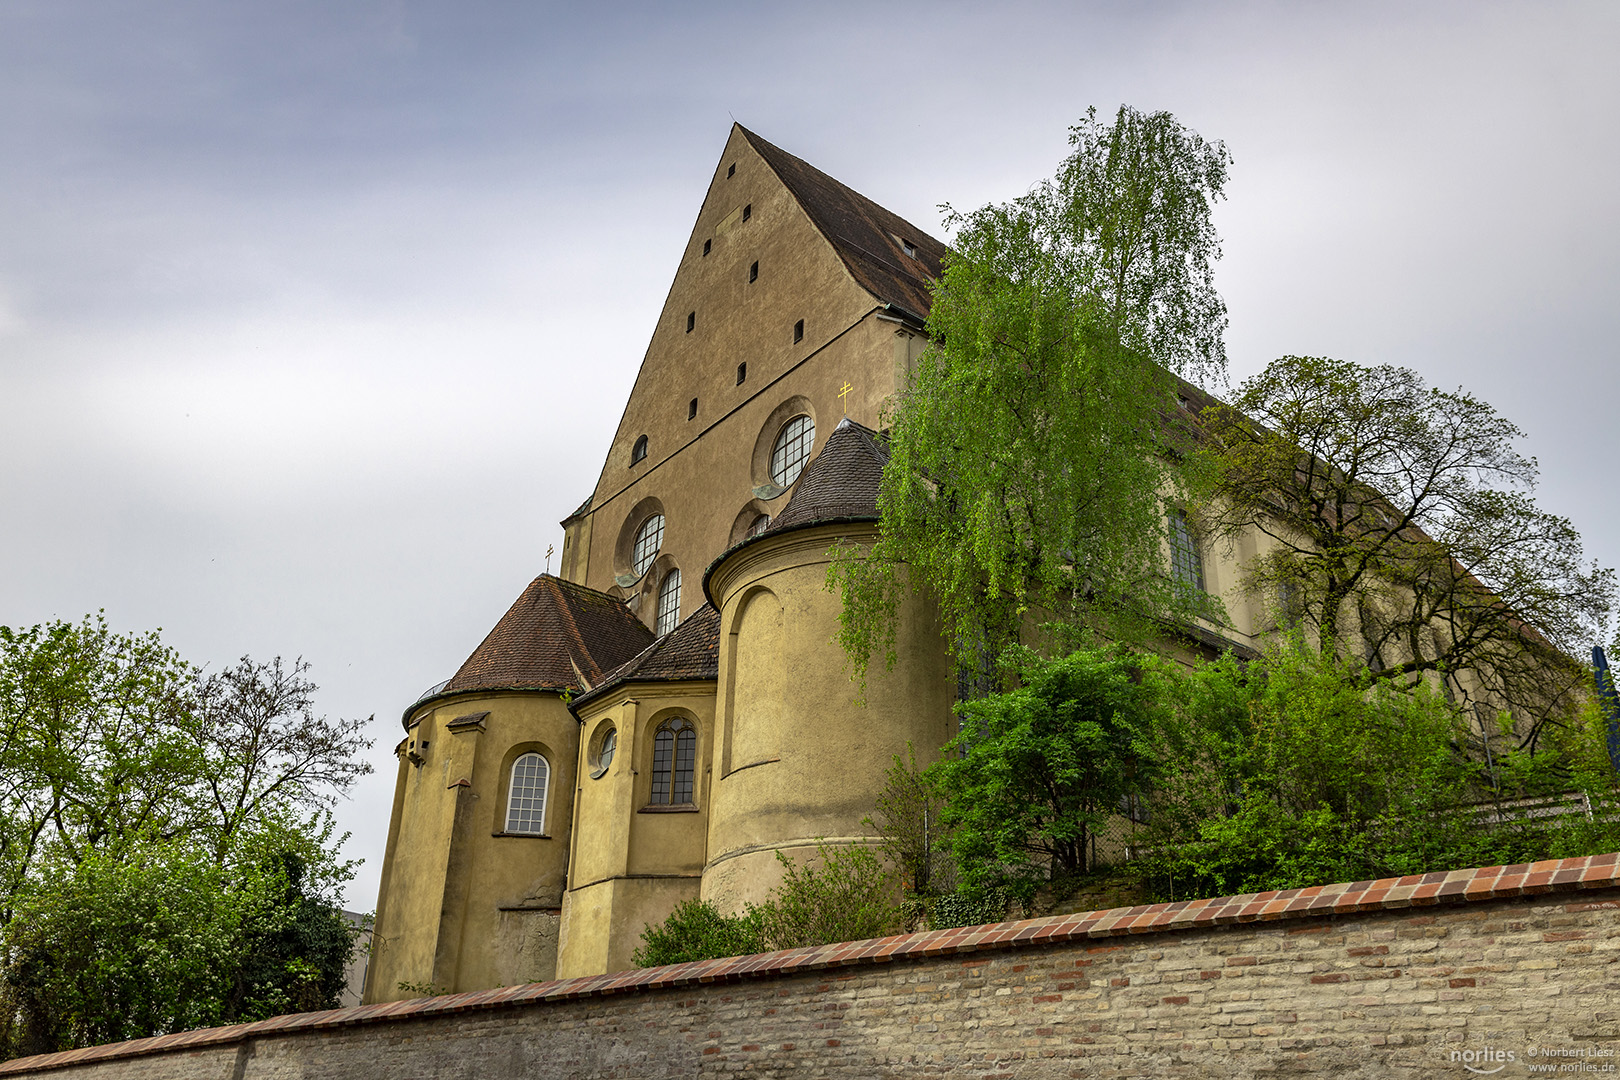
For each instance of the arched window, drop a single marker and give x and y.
(638, 451)
(759, 525)
(669, 603)
(674, 759)
(649, 538)
(1186, 564)
(526, 798)
(792, 449)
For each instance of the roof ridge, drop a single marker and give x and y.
(842, 225)
(565, 608)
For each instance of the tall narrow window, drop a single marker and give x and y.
(798, 331)
(526, 798)
(1186, 565)
(674, 761)
(753, 272)
(638, 451)
(731, 170)
(691, 320)
(792, 450)
(691, 409)
(649, 538)
(669, 603)
(748, 211)
(742, 372)
(706, 244)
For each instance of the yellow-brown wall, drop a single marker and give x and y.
(797, 758)
(633, 861)
(706, 489)
(463, 905)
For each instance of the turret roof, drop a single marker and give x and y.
(840, 483)
(868, 238)
(557, 636)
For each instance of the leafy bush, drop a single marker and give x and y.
(1037, 771)
(696, 930)
(968, 908)
(849, 897)
(1301, 770)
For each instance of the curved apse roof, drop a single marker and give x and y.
(556, 636)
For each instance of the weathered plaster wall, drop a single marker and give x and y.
(1398, 978)
(463, 904)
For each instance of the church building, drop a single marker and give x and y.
(660, 719)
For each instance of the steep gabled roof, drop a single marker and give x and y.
(866, 236)
(690, 652)
(557, 636)
(841, 483)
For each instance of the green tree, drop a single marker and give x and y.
(908, 819)
(166, 848)
(1033, 449)
(1038, 771)
(1404, 533)
(1300, 768)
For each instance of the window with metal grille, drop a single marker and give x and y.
(649, 538)
(792, 449)
(669, 603)
(759, 525)
(526, 799)
(674, 761)
(1186, 565)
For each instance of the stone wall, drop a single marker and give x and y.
(1508, 970)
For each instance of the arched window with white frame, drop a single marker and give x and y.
(526, 796)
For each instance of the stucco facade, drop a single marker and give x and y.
(680, 763)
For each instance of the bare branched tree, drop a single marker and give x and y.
(266, 747)
(1402, 527)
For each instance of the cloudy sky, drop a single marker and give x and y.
(316, 318)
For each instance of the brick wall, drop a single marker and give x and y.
(1407, 977)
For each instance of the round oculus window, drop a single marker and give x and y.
(649, 538)
(604, 754)
(792, 450)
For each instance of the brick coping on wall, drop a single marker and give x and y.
(1418, 890)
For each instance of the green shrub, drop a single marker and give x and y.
(968, 908)
(849, 897)
(696, 930)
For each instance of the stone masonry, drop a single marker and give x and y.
(1510, 971)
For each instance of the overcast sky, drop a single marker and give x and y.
(316, 318)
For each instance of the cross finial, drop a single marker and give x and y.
(549, 550)
(843, 392)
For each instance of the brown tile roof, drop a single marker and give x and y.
(1561, 881)
(863, 233)
(557, 635)
(840, 483)
(689, 652)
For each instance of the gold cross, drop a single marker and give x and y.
(843, 392)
